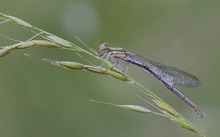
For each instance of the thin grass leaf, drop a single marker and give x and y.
(60, 41)
(7, 49)
(32, 43)
(4, 21)
(17, 21)
(134, 108)
(23, 45)
(11, 39)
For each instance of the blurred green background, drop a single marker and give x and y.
(41, 100)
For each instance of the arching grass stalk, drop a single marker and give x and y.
(43, 38)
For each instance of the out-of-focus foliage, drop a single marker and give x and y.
(37, 99)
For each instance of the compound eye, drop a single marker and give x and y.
(104, 47)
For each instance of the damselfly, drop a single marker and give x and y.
(167, 75)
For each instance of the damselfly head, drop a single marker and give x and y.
(104, 47)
